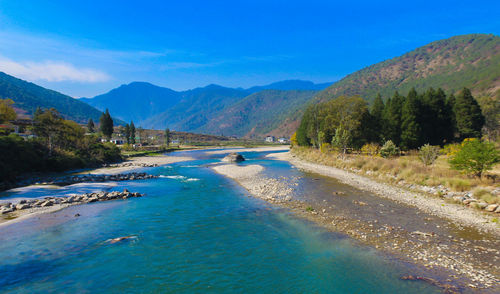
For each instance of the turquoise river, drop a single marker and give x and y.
(194, 232)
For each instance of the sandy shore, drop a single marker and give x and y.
(21, 215)
(256, 149)
(432, 205)
(137, 162)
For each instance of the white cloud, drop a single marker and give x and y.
(51, 71)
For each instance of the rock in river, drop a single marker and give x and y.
(233, 157)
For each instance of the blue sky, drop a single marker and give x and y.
(85, 48)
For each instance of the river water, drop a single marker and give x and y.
(194, 232)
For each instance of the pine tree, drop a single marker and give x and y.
(167, 137)
(377, 113)
(106, 124)
(127, 133)
(91, 126)
(392, 119)
(468, 115)
(132, 132)
(410, 127)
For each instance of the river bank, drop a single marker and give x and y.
(115, 172)
(463, 259)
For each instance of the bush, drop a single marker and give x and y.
(370, 149)
(325, 147)
(389, 149)
(428, 154)
(475, 157)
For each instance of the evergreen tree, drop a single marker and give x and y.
(127, 133)
(90, 126)
(392, 118)
(106, 124)
(167, 137)
(468, 116)
(436, 118)
(410, 127)
(377, 113)
(132, 132)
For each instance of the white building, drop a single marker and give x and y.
(283, 140)
(270, 139)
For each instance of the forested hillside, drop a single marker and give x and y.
(471, 61)
(28, 96)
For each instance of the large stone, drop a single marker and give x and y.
(491, 207)
(22, 206)
(233, 157)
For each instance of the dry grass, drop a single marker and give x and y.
(405, 168)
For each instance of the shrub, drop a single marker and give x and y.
(475, 157)
(389, 149)
(428, 154)
(370, 149)
(325, 147)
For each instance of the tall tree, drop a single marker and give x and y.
(127, 133)
(132, 132)
(7, 112)
(410, 127)
(106, 124)
(48, 126)
(90, 126)
(377, 112)
(468, 115)
(167, 137)
(392, 118)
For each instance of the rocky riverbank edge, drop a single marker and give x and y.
(26, 207)
(454, 265)
(87, 178)
(456, 212)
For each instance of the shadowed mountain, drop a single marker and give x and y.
(28, 96)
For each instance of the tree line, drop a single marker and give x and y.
(410, 121)
(58, 144)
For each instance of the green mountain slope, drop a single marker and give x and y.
(259, 114)
(28, 96)
(471, 61)
(195, 108)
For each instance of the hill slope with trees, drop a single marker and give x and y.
(471, 61)
(28, 97)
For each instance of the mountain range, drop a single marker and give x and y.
(212, 109)
(471, 61)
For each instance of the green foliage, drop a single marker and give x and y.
(127, 133)
(428, 154)
(469, 118)
(167, 137)
(91, 126)
(474, 157)
(321, 121)
(389, 149)
(410, 126)
(7, 112)
(106, 124)
(132, 133)
(342, 139)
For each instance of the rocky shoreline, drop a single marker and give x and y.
(25, 207)
(91, 178)
(465, 263)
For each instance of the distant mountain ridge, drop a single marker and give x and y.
(199, 109)
(28, 96)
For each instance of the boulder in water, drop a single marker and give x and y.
(234, 157)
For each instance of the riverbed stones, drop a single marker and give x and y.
(491, 207)
(70, 200)
(233, 157)
(69, 180)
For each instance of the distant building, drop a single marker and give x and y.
(283, 140)
(270, 139)
(117, 141)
